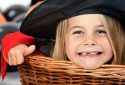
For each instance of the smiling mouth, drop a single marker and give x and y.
(89, 54)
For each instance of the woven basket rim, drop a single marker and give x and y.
(52, 65)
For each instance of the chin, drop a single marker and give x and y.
(90, 67)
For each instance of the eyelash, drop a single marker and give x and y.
(80, 33)
(101, 31)
(77, 32)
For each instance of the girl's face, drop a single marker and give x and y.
(86, 42)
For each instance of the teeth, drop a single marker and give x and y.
(84, 54)
(93, 53)
(89, 53)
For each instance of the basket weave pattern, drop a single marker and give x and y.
(39, 70)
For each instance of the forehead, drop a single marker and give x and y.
(86, 20)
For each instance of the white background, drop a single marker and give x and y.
(4, 4)
(12, 78)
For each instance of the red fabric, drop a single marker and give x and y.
(10, 41)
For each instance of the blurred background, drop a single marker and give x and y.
(12, 13)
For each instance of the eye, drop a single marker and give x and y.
(101, 32)
(77, 33)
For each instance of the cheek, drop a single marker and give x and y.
(70, 47)
(107, 47)
(109, 51)
(106, 44)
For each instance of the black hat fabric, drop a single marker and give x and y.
(43, 20)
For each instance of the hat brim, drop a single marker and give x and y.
(42, 21)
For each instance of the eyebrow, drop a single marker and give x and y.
(99, 26)
(72, 27)
(77, 27)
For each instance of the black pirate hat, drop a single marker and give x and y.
(42, 21)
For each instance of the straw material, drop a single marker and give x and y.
(39, 70)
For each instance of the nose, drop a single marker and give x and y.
(89, 40)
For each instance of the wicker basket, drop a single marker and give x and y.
(37, 70)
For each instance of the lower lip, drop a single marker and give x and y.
(90, 55)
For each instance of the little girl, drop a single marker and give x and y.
(89, 33)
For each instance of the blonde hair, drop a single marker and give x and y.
(59, 49)
(115, 35)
